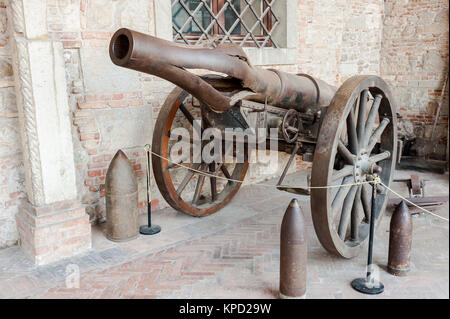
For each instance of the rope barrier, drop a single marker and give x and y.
(375, 181)
(249, 183)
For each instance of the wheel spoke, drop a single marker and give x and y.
(355, 219)
(343, 172)
(362, 116)
(379, 157)
(177, 163)
(191, 119)
(225, 171)
(199, 186)
(186, 114)
(365, 200)
(377, 134)
(345, 153)
(340, 195)
(371, 118)
(346, 210)
(351, 131)
(213, 180)
(186, 179)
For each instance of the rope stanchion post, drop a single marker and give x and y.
(149, 229)
(370, 284)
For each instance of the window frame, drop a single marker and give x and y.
(216, 6)
(286, 54)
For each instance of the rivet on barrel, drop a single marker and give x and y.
(400, 238)
(121, 199)
(293, 254)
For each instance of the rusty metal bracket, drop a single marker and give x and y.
(294, 190)
(416, 186)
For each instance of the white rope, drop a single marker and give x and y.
(376, 180)
(259, 184)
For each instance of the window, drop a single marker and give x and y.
(248, 23)
(174, 21)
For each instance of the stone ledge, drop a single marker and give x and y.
(44, 210)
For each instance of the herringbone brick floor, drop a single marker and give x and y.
(231, 254)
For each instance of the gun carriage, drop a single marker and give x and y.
(348, 133)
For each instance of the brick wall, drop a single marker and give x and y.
(11, 163)
(112, 107)
(415, 60)
(339, 38)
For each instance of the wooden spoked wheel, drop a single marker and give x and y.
(357, 134)
(186, 190)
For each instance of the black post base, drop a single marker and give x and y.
(368, 287)
(146, 230)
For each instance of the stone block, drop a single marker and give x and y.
(124, 128)
(409, 31)
(10, 142)
(348, 69)
(442, 17)
(3, 21)
(35, 16)
(70, 11)
(162, 12)
(435, 28)
(6, 69)
(134, 14)
(101, 76)
(426, 18)
(355, 22)
(100, 15)
(53, 121)
(432, 61)
(8, 106)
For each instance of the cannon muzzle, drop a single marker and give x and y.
(170, 61)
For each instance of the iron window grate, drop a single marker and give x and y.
(242, 22)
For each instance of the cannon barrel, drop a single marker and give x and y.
(170, 61)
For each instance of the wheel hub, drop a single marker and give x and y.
(363, 166)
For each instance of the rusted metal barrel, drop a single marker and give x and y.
(170, 61)
(293, 253)
(121, 199)
(400, 238)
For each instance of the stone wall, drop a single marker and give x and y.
(339, 38)
(415, 61)
(11, 162)
(115, 108)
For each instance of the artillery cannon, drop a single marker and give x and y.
(348, 133)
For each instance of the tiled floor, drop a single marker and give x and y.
(231, 254)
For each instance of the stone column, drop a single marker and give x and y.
(52, 222)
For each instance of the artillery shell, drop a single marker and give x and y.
(293, 250)
(400, 238)
(121, 192)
